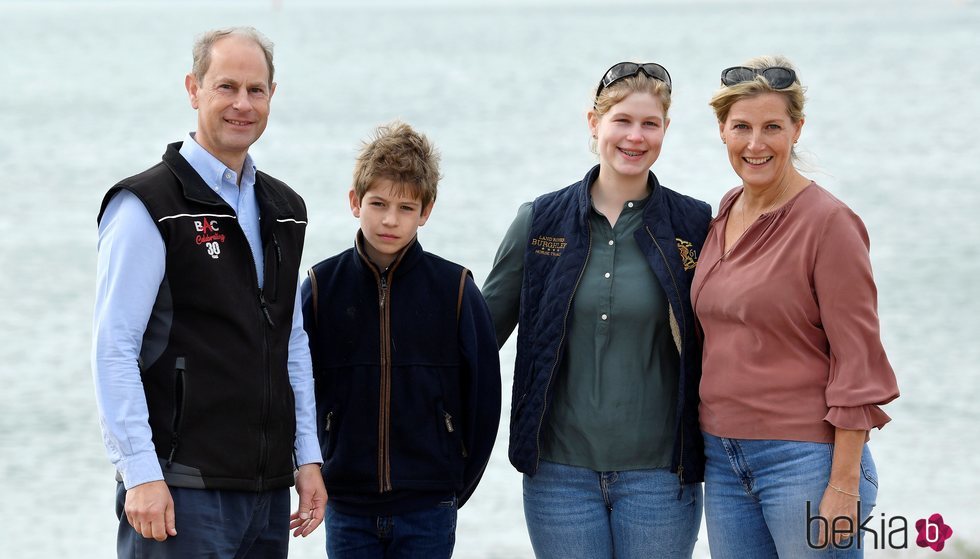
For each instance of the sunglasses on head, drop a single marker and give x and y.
(777, 76)
(623, 70)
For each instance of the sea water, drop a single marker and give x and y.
(92, 92)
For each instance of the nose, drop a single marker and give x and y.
(755, 140)
(634, 134)
(389, 218)
(242, 102)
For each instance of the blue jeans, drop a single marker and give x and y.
(577, 512)
(429, 533)
(213, 524)
(756, 496)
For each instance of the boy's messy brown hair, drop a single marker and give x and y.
(400, 154)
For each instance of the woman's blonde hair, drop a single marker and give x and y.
(724, 98)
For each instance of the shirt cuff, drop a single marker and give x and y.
(857, 418)
(308, 450)
(139, 469)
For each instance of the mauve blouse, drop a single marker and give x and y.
(791, 339)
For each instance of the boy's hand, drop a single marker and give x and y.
(312, 500)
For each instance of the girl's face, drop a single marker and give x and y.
(629, 136)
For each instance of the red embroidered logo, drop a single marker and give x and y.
(208, 234)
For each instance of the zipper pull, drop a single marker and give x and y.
(449, 421)
(265, 310)
(329, 421)
(384, 290)
(680, 477)
(275, 242)
(173, 450)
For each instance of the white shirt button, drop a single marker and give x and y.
(604, 316)
(608, 274)
(227, 175)
(629, 204)
(611, 242)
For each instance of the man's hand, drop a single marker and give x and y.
(150, 510)
(312, 500)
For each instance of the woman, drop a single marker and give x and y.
(604, 409)
(794, 369)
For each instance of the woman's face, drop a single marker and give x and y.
(759, 135)
(630, 135)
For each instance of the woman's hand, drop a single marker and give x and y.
(837, 504)
(842, 495)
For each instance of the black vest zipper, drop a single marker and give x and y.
(178, 408)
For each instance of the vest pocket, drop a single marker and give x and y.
(178, 408)
(330, 429)
(273, 266)
(452, 433)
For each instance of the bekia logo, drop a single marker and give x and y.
(890, 532)
(209, 235)
(933, 532)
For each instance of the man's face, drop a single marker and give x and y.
(232, 100)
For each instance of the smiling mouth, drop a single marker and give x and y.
(238, 122)
(631, 153)
(756, 160)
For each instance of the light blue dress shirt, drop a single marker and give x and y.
(131, 267)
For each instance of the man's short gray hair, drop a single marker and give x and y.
(204, 43)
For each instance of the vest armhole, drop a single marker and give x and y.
(313, 297)
(462, 286)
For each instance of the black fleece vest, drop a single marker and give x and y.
(388, 372)
(214, 353)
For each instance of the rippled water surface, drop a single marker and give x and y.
(92, 91)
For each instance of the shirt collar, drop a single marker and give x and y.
(628, 206)
(213, 171)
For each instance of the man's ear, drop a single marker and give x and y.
(193, 88)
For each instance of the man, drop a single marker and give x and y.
(201, 364)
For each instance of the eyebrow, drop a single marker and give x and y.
(380, 198)
(630, 115)
(233, 81)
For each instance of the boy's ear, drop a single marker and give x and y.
(355, 203)
(425, 213)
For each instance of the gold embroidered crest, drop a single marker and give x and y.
(689, 256)
(548, 246)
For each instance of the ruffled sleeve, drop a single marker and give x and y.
(861, 378)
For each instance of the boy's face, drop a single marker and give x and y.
(390, 218)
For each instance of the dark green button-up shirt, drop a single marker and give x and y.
(615, 393)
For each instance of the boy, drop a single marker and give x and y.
(406, 366)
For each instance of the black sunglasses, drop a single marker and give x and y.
(777, 76)
(623, 70)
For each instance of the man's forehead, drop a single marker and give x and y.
(231, 55)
